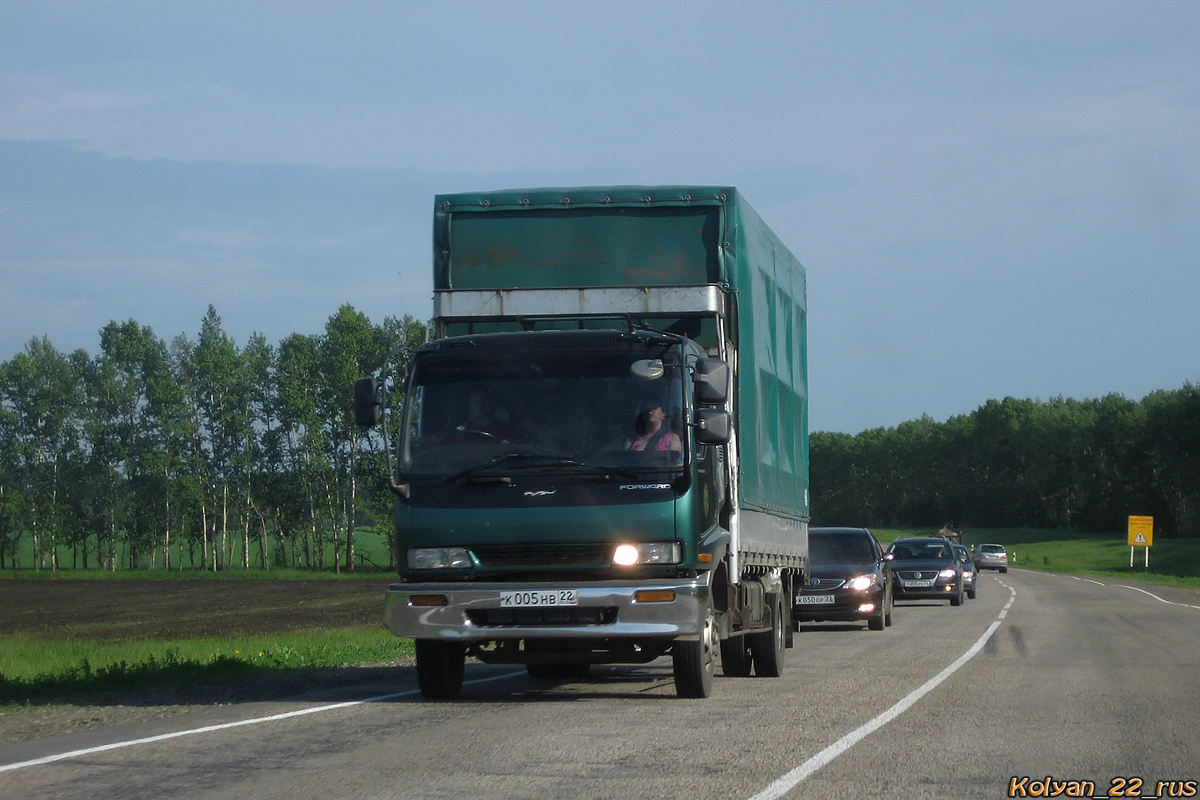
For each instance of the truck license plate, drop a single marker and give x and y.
(539, 597)
(918, 584)
(815, 600)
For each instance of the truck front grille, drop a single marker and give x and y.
(537, 617)
(517, 556)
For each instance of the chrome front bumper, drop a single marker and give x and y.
(469, 603)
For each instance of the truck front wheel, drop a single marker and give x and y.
(695, 662)
(440, 667)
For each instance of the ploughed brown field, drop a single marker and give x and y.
(182, 608)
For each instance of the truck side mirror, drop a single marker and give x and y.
(368, 408)
(711, 381)
(713, 426)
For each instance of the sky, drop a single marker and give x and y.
(990, 199)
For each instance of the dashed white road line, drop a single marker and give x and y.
(1136, 589)
(792, 779)
(1156, 597)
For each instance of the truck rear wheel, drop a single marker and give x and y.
(735, 657)
(695, 662)
(768, 647)
(440, 667)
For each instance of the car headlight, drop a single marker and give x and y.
(947, 573)
(627, 555)
(439, 558)
(860, 583)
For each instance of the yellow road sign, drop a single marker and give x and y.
(1141, 531)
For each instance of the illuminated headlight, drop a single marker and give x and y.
(439, 558)
(861, 583)
(946, 574)
(627, 555)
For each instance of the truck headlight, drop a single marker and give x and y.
(439, 558)
(627, 555)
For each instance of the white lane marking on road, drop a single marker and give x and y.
(227, 725)
(792, 779)
(1156, 597)
(1087, 580)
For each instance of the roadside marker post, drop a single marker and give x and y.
(1141, 534)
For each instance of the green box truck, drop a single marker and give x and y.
(603, 451)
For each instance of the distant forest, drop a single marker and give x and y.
(207, 454)
(198, 454)
(1070, 464)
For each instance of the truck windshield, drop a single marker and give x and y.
(572, 410)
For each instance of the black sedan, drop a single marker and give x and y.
(926, 568)
(848, 581)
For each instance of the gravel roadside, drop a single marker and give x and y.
(110, 709)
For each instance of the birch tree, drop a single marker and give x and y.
(40, 390)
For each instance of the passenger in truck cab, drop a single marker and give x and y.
(653, 432)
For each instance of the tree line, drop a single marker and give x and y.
(203, 454)
(198, 454)
(1067, 464)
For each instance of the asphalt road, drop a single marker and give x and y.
(1042, 676)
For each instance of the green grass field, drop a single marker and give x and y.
(36, 667)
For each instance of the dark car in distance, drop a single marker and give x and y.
(849, 579)
(926, 568)
(970, 574)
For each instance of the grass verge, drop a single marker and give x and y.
(37, 668)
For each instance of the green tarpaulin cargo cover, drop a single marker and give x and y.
(623, 236)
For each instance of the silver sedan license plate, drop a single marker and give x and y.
(534, 598)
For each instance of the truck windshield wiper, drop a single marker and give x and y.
(522, 459)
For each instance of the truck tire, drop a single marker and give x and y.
(440, 668)
(695, 662)
(735, 657)
(768, 647)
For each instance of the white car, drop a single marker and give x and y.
(991, 556)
